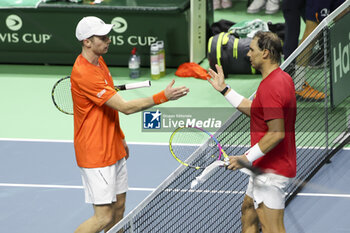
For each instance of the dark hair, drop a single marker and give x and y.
(271, 42)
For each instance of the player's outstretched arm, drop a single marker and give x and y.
(174, 93)
(217, 78)
(128, 107)
(236, 100)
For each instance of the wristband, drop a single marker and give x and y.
(223, 92)
(160, 98)
(254, 153)
(234, 98)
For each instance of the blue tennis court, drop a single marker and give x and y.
(41, 185)
(41, 188)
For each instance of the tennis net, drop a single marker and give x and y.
(214, 206)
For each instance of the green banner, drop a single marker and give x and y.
(340, 60)
(19, 3)
(46, 35)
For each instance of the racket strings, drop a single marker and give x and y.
(62, 96)
(187, 141)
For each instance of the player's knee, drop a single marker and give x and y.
(250, 221)
(120, 208)
(247, 205)
(120, 204)
(105, 219)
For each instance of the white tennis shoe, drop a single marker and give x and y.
(256, 6)
(272, 6)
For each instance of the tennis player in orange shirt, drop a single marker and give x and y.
(100, 147)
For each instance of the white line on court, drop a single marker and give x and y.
(71, 141)
(323, 195)
(62, 186)
(152, 189)
(41, 186)
(131, 143)
(34, 140)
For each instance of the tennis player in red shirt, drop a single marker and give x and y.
(272, 129)
(99, 142)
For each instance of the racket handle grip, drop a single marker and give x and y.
(134, 85)
(227, 161)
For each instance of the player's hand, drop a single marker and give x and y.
(217, 79)
(126, 149)
(233, 161)
(174, 93)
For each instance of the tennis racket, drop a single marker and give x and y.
(62, 96)
(185, 141)
(196, 148)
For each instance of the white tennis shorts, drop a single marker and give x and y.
(101, 185)
(268, 188)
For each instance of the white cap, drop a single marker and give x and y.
(91, 26)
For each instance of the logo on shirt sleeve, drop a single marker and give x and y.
(100, 94)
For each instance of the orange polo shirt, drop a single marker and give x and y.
(97, 133)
